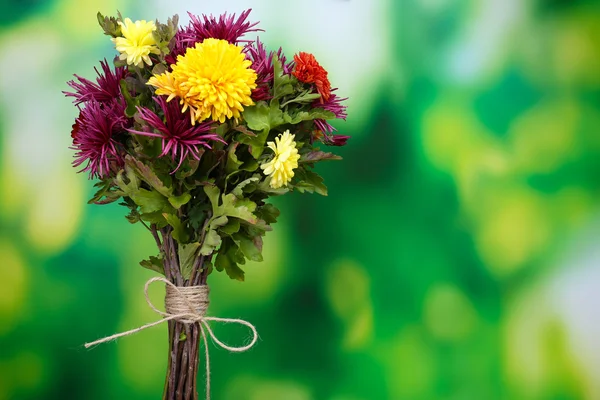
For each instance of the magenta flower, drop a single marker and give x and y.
(333, 104)
(226, 27)
(335, 140)
(106, 88)
(262, 63)
(93, 137)
(179, 136)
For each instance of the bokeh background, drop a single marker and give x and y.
(457, 256)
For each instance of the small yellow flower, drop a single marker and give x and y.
(137, 42)
(213, 79)
(281, 167)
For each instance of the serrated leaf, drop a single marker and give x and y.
(238, 190)
(155, 218)
(233, 164)
(106, 194)
(154, 264)
(310, 182)
(314, 113)
(187, 257)
(268, 213)
(250, 166)
(127, 181)
(149, 200)
(109, 25)
(133, 216)
(256, 144)
(231, 206)
(303, 98)
(282, 83)
(179, 232)
(212, 240)
(233, 226)
(265, 187)
(213, 195)
(225, 261)
(178, 201)
(248, 247)
(146, 173)
(257, 117)
(189, 166)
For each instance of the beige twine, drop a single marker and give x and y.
(187, 305)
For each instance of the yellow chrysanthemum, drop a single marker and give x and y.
(281, 167)
(137, 42)
(213, 79)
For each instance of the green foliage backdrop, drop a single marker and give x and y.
(454, 258)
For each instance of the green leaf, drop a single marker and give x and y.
(265, 187)
(248, 247)
(256, 143)
(132, 102)
(133, 216)
(310, 182)
(127, 181)
(178, 201)
(146, 173)
(106, 194)
(227, 261)
(197, 213)
(262, 117)
(212, 240)
(238, 190)
(250, 166)
(303, 98)
(268, 213)
(109, 25)
(149, 201)
(189, 166)
(154, 264)
(317, 155)
(187, 257)
(179, 232)
(213, 195)
(155, 218)
(315, 113)
(239, 208)
(257, 116)
(282, 83)
(233, 164)
(233, 226)
(232, 206)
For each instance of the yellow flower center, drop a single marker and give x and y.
(213, 79)
(281, 167)
(137, 42)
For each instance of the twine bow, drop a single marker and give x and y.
(187, 305)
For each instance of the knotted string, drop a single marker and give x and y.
(187, 305)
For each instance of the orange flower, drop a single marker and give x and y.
(308, 70)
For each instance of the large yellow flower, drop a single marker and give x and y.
(213, 79)
(281, 167)
(137, 42)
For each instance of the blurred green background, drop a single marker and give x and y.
(455, 258)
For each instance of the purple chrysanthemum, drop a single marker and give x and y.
(262, 63)
(226, 27)
(179, 136)
(333, 104)
(93, 137)
(106, 88)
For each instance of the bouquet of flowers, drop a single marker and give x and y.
(192, 129)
